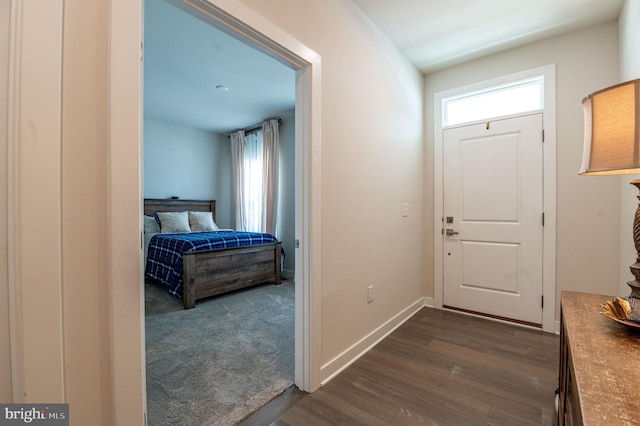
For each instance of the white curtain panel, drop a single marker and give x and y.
(252, 182)
(270, 129)
(237, 156)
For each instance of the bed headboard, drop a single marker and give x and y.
(152, 206)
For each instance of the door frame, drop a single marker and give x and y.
(125, 199)
(34, 275)
(549, 322)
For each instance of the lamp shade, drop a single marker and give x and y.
(612, 130)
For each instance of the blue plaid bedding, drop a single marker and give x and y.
(164, 259)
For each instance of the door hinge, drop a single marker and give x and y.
(542, 301)
(542, 218)
(542, 135)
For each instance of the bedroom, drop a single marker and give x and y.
(199, 86)
(187, 119)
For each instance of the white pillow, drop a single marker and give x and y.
(202, 222)
(150, 225)
(173, 222)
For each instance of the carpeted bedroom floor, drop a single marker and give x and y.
(217, 363)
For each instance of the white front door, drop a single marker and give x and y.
(493, 205)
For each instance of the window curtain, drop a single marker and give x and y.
(252, 183)
(270, 142)
(255, 177)
(237, 158)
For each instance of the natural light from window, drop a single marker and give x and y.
(252, 185)
(515, 98)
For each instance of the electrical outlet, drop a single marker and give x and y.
(370, 294)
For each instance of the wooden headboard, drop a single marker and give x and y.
(152, 206)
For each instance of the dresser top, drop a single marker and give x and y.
(606, 361)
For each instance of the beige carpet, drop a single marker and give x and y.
(217, 363)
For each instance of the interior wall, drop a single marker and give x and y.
(371, 164)
(629, 30)
(587, 207)
(189, 163)
(5, 348)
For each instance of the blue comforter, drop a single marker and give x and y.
(164, 259)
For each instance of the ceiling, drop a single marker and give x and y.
(434, 34)
(185, 58)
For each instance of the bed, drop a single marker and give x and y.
(200, 264)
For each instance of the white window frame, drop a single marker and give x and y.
(502, 88)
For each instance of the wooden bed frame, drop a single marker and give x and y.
(212, 272)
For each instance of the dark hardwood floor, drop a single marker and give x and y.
(438, 368)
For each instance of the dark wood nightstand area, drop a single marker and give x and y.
(599, 365)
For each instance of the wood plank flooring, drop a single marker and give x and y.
(438, 368)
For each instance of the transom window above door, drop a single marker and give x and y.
(513, 98)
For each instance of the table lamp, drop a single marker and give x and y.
(612, 146)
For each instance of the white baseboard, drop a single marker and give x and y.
(428, 302)
(557, 327)
(349, 356)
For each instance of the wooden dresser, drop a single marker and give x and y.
(599, 365)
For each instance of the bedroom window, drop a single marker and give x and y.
(514, 98)
(252, 190)
(255, 171)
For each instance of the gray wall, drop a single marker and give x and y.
(188, 163)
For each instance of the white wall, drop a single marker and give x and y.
(587, 207)
(371, 163)
(629, 30)
(189, 163)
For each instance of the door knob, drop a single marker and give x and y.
(451, 232)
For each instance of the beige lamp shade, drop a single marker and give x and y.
(612, 130)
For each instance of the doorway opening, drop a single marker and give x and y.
(549, 181)
(234, 351)
(126, 199)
